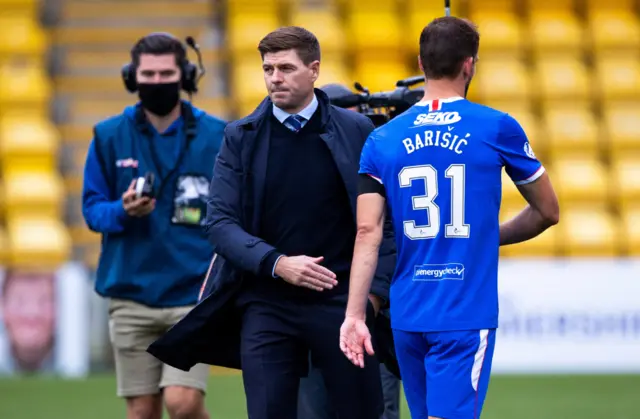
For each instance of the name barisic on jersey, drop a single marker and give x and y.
(436, 138)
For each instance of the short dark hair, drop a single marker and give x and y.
(445, 44)
(159, 43)
(299, 39)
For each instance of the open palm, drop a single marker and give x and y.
(355, 339)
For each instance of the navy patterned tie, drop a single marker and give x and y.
(294, 122)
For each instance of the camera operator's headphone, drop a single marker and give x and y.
(189, 72)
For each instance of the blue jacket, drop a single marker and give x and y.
(210, 333)
(159, 260)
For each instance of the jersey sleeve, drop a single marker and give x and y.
(520, 162)
(369, 158)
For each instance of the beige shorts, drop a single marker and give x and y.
(132, 328)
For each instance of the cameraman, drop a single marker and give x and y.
(313, 400)
(154, 251)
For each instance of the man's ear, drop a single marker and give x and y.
(315, 69)
(420, 64)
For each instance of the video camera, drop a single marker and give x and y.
(382, 107)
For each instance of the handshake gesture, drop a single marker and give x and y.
(305, 271)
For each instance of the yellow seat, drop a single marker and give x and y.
(588, 232)
(618, 78)
(21, 36)
(613, 29)
(555, 31)
(25, 87)
(544, 245)
(630, 229)
(501, 32)
(370, 5)
(581, 181)
(324, 24)
(379, 74)
(40, 193)
(562, 79)
(248, 80)
(621, 127)
(374, 31)
(625, 181)
(38, 241)
(28, 141)
(246, 29)
(4, 247)
(502, 80)
(334, 71)
(571, 131)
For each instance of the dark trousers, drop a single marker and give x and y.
(276, 341)
(314, 403)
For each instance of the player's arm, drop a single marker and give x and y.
(532, 181)
(541, 212)
(370, 225)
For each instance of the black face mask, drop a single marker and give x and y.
(159, 98)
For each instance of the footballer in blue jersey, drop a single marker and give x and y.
(437, 170)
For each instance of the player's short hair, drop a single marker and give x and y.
(445, 44)
(299, 39)
(158, 44)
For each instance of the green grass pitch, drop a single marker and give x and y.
(510, 397)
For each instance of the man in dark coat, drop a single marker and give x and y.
(281, 218)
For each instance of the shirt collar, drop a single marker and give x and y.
(306, 113)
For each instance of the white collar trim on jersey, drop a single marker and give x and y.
(446, 100)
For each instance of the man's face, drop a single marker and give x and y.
(29, 314)
(289, 81)
(154, 69)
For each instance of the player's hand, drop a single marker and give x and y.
(355, 339)
(136, 207)
(305, 271)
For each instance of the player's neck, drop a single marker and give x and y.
(441, 89)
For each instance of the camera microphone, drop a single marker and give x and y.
(192, 43)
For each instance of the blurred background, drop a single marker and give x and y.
(568, 70)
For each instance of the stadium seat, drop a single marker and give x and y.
(502, 80)
(333, 70)
(28, 142)
(588, 232)
(41, 193)
(544, 245)
(554, 31)
(571, 131)
(245, 30)
(38, 241)
(562, 79)
(379, 73)
(25, 87)
(621, 128)
(616, 29)
(21, 36)
(630, 230)
(324, 24)
(248, 84)
(581, 181)
(371, 31)
(618, 77)
(625, 181)
(4, 247)
(501, 33)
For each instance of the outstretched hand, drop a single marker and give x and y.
(355, 339)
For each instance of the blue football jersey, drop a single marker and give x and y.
(441, 165)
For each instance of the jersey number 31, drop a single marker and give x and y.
(429, 175)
